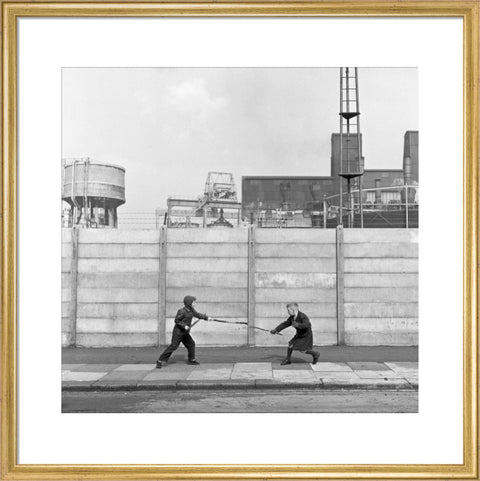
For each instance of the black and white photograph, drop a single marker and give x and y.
(240, 240)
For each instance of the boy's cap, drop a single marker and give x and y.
(187, 300)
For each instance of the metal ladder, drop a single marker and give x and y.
(351, 167)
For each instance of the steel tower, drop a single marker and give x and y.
(351, 165)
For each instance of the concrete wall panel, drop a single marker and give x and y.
(381, 265)
(381, 294)
(207, 250)
(207, 279)
(67, 249)
(222, 310)
(310, 251)
(208, 235)
(112, 251)
(117, 340)
(381, 309)
(363, 236)
(382, 250)
(89, 325)
(278, 310)
(295, 280)
(210, 264)
(207, 294)
(118, 311)
(66, 264)
(135, 280)
(296, 265)
(381, 324)
(118, 236)
(273, 236)
(382, 280)
(118, 265)
(296, 295)
(391, 338)
(116, 295)
(66, 235)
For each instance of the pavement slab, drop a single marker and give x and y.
(294, 376)
(405, 367)
(253, 366)
(166, 374)
(135, 367)
(331, 366)
(336, 375)
(292, 367)
(126, 376)
(379, 374)
(251, 374)
(83, 376)
(367, 366)
(348, 368)
(210, 374)
(96, 367)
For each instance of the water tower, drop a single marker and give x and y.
(93, 190)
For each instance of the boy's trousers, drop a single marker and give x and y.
(179, 336)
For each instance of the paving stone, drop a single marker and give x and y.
(167, 374)
(94, 367)
(331, 366)
(212, 365)
(403, 367)
(135, 367)
(367, 366)
(304, 366)
(125, 376)
(260, 374)
(294, 376)
(336, 375)
(379, 374)
(83, 376)
(220, 373)
(183, 367)
(250, 366)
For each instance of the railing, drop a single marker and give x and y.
(377, 200)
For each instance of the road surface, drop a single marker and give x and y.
(336, 401)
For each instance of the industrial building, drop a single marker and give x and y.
(265, 198)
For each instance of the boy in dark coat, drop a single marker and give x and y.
(303, 339)
(181, 332)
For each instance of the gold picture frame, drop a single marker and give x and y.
(468, 11)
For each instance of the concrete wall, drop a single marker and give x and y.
(381, 286)
(295, 265)
(210, 264)
(129, 284)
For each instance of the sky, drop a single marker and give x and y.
(168, 127)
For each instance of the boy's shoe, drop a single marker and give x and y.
(316, 357)
(193, 363)
(159, 364)
(285, 362)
